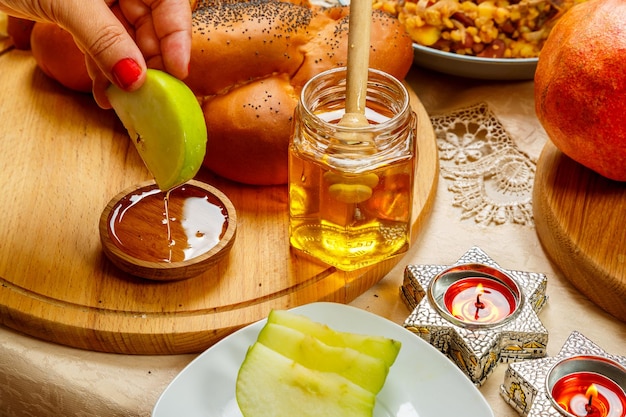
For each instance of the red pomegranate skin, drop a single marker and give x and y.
(580, 86)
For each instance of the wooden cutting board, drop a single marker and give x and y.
(63, 159)
(581, 221)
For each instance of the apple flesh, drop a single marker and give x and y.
(364, 370)
(165, 123)
(377, 346)
(272, 385)
(290, 371)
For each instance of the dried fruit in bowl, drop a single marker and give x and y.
(489, 28)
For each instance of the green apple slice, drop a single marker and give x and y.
(165, 122)
(272, 385)
(366, 371)
(379, 347)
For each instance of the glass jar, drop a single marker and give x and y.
(351, 188)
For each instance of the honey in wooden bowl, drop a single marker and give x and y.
(170, 235)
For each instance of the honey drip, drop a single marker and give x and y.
(166, 206)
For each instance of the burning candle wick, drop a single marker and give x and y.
(478, 304)
(588, 406)
(589, 394)
(464, 300)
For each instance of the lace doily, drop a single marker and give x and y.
(490, 178)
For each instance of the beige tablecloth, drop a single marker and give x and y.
(43, 379)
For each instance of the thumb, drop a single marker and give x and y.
(106, 42)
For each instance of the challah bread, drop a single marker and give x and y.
(249, 61)
(236, 42)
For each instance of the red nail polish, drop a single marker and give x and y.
(126, 71)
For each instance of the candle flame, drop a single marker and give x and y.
(592, 391)
(479, 289)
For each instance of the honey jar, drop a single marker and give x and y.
(351, 188)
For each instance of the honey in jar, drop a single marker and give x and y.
(351, 188)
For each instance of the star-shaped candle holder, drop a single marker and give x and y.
(477, 313)
(538, 388)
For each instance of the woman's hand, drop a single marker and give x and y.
(121, 38)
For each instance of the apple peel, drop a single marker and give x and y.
(165, 123)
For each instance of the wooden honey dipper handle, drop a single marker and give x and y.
(359, 35)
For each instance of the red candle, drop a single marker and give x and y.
(480, 300)
(589, 394)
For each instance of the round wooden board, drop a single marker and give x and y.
(63, 159)
(579, 216)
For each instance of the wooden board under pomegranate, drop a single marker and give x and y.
(63, 159)
(579, 217)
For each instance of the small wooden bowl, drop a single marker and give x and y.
(133, 234)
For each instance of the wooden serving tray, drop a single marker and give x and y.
(579, 216)
(63, 159)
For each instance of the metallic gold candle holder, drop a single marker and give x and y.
(526, 384)
(476, 348)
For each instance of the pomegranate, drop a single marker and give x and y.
(580, 86)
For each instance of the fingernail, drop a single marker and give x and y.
(126, 71)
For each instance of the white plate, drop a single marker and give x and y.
(473, 66)
(421, 383)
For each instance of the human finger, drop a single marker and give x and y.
(162, 32)
(104, 38)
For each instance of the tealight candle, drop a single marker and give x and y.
(586, 386)
(479, 300)
(475, 295)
